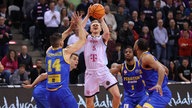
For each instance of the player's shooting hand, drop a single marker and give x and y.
(88, 11)
(158, 88)
(27, 86)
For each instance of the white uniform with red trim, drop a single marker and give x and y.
(96, 70)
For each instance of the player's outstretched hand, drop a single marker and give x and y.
(158, 88)
(89, 11)
(27, 86)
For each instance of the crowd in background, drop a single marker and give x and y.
(165, 24)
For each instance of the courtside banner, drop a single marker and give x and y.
(18, 97)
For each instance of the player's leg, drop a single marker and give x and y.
(90, 102)
(91, 88)
(157, 101)
(110, 83)
(114, 90)
(70, 102)
(127, 102)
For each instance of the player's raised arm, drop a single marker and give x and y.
(115, 68)
(86, 17)
(106, 33)
(40, 78)
(82, 36)
(150, 61)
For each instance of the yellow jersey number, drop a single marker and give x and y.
(54, 64)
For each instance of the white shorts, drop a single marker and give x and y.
(96, 77)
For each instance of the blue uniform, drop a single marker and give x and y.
(58, 79)
(40, 95)
(134, 90)
(151, 77)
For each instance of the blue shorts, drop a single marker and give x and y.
(40, 96)
(157, 101)
(132, 102)
(62, 98)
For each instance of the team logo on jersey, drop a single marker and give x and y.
(125, 71)
(107, 82)
(137, 71)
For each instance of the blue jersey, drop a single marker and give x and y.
(132, 80)
(151, 76)
(57, 69)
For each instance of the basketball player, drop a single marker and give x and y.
(57, 67)
(155, 76)
(40, 92)
(134, 91)
(96, 60)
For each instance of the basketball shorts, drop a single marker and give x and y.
(135, 101)
(157, 101)
(96, 77)
(40, 97)
(62, 98)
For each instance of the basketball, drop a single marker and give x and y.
(97, 11)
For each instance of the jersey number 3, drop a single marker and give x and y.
(55, 64)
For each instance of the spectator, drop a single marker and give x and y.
(64, 26)
(38, 16)
(35, 72)
(185, 45)
(64, 13)
(120, 17)
(27, 9)
(109, 18)
(3, 12)
(126, 9)
(148, 36)
(137, 22)
(185, 71)
(186, 27)
(172, 76)
(158, 7)
(142, 19)
(60, 5)
(148, 10)
(181, 8)
(25, 58)
(5, 37)
(20, 76)
(172, 44)
(74, 72)
(161, 39)
(52, 22)
(160, 3)
(10, 64)
(112, 6)
(169, 7)
(71, 9)
(111, 46)
(133, 5)
(118, 56)
(189, 9)
(190, 20)
(84, 5)
(179, 20)
(169, 17)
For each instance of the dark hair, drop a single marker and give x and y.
(38, 60)
(142, 44)
(74, 55)
(185, 58)
(22, 65)
(8, 54)
(54, 40)
(128, 47)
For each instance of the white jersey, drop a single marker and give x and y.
(95, 52)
